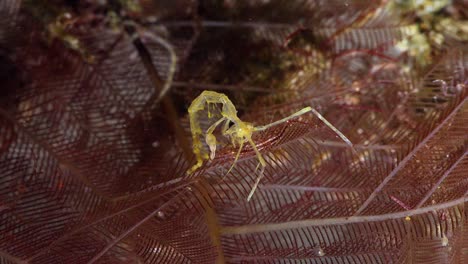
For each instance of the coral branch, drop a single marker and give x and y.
(408, 158)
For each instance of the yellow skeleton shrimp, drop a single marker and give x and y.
(239, 133)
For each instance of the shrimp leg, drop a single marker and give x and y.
(211, 139)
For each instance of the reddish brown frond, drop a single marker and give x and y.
(95, 136)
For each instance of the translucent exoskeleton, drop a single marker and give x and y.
(239, 133)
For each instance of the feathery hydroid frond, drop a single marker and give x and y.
(93, 168)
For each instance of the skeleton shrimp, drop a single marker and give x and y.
(239, 133)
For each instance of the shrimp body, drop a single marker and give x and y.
(239, 133)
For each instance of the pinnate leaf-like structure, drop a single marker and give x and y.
(93, 169)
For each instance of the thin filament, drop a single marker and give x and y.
(172, 66)
(237, 157)
(260, 176)
(298, 113)
(332, 127)
(261, 163)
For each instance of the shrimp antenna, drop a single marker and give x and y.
(317, 114)
(332, 127)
